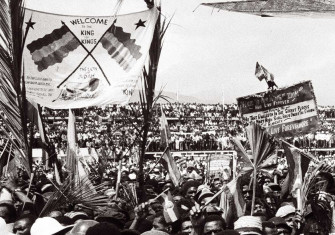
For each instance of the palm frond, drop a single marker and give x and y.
(148, 88)
(12, 97)
(128, 194)
(261, 142)
(310, 181)
(76, 192)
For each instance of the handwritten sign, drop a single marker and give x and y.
(81, 61)
(284, 112)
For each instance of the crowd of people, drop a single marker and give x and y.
(108, 198)
(193, 127)
(160, 206)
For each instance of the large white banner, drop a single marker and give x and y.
(80, 61)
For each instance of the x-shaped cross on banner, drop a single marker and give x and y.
(89, 53)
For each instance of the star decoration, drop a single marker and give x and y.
(30, 24)
(140, 23)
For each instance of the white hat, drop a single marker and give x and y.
(4, 227)
(248, 225)
(48, 226)
(285, 210)
(5, 195)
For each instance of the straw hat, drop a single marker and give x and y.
(248, 225)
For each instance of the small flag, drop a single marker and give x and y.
(170, 211)
(243, 163)
(165, 132)
(297, 168)
(53, 47)
(171, 167)
(233, 188)
(262, 73)
(121, 47)
(71, 158)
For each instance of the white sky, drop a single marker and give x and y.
(207, 50)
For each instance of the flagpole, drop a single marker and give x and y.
(254, 191)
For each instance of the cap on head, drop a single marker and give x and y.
(285, 211)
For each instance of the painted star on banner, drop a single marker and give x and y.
(30, 24)
(140, 23)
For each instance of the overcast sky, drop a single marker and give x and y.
(208, 50)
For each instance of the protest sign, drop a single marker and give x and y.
(284, 112)
(218, 164)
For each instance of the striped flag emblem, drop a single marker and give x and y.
(52, 48)
(121, 47)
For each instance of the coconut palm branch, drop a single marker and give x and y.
(12, 93)
(149, 76)
(76, 192)
(262, 147)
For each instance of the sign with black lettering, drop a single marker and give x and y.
(284, 112)
(81, 61)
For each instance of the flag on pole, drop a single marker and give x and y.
(165, 132)
(233, 188)
(171, 165)
(71, 159)
(297, 168)
(170, 211)
(262, 73)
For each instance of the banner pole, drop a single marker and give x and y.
(254, 191)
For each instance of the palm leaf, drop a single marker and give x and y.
(261, 143)
(76, 192)
(148, 88)
(12, 96)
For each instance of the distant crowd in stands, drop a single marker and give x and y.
(193, 127)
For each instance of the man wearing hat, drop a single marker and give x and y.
(287, 212)
(282, 227)
(250, 225)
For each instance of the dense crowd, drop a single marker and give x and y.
(193, 127)
(160, 206)
(107, 197)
